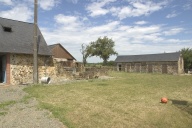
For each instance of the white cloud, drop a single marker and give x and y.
(48, 4)
(103, 29)
(22, 10)
(137, 8)
(75, 1)
(97, 8)
(128, 39)
(133, 9)
(173, 31)
(73, 30)
(67, 20)
(6, 2)
(187, 6)
(69, 23)
(178, 41)
(144, 30)
(141, 22)
(121, 12)
(171, 15)
(19, 12)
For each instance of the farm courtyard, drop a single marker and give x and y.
(126, 100)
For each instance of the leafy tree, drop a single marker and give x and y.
(84, 53)
(103, 48)
(111, 63)
(187, 56)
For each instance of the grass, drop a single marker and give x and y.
(3, 113)
(127, 100)
(4, 105)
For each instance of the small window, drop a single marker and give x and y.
(7, 29)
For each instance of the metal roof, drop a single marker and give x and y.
(149, 57)
(20, 39)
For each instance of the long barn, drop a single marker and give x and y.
(168, 63)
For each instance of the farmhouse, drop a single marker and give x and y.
(16, 55)
(16, 51)
(168, 63)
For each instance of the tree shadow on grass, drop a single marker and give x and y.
(183, 105)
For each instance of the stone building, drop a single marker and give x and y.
(60, 54)
(16, 54)
(168, 63)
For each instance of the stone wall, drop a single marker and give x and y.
(151, 67)
(94, 72)
(21, 69)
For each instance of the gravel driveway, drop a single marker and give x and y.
(21, 114)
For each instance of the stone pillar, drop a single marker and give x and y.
(8, 69)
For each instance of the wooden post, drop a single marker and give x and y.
(35, 56)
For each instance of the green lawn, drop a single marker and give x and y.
(128, 100)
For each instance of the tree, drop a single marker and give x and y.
(84, 53)
(187, 57)
(103, 48)
(111, 63)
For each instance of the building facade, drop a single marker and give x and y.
(16, 55)
(60, 54)
(167, 63)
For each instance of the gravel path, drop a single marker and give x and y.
(23, 114)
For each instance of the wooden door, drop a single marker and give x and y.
(119, 67)
(150, 68)
(137, 67)
(128, 67)
(164, 69)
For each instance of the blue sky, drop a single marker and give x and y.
(136, 26)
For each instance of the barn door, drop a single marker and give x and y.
(119, 67)
(164, 69)
(137, 67)
(128, 67)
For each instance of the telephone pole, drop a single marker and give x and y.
(35, 56)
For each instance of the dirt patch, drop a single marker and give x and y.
(105, 77)
(24, 114)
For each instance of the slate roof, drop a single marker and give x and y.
(20, 39)
(51, 46)
(149, 57)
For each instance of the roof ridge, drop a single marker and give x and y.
(16, 20)
(150, 54)
(174, 56)
(53, 44)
